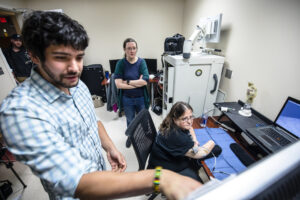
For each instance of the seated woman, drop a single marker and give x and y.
(176, 145)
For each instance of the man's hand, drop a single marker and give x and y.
(175, 186)
(116, 160)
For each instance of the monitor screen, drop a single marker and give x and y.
(212, 28)
(112, 64)
(289, 117)
(152, 65)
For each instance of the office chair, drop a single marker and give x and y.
(142, 133)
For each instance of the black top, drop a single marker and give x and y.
(169, 150)
(19, 62)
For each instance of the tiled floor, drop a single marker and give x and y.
(115, 127)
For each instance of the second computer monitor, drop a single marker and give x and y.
(151, 65)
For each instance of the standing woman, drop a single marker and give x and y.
(131, 77)
(176, 144)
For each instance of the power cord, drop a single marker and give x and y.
(223, 125)
(215, 161)
(215, 164)
(215, 158)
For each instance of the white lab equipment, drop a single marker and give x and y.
(208, 31)
(195, 81)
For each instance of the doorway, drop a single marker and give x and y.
(8, 26)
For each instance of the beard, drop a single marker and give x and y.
(58, 80)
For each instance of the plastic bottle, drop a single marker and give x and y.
(203, 119)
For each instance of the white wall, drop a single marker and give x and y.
(7, 81)
(15, 6)
(109, 22)
(260, 41)
(10, 4)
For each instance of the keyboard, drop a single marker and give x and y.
(276, 136)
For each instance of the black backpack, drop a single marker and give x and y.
(174, 45)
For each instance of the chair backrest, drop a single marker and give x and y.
(142, 134)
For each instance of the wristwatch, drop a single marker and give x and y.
(128, 82)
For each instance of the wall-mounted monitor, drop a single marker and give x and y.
(211, 27)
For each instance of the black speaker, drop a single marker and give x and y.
(241, 154)
(92, 76)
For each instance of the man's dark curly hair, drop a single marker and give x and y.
(42, 29)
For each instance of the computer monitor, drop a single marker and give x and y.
(152, 65)
(289, 117)
(112, 64)
(277, 176)
(211, 27)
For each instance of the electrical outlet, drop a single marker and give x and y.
(228, 73)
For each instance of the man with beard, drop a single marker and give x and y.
(18, 59)
(49, 122)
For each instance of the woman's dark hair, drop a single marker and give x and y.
(42, 29)
(126, 41)
(176, 112)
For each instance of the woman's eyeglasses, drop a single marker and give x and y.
(186, 119)
(131, 48)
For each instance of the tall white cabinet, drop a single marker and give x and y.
(195, 80)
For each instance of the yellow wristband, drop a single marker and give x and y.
(156, 182)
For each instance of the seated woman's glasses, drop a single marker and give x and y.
(186, 119)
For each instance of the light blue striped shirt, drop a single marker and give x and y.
(55, 134)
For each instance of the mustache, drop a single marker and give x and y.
(72, 74)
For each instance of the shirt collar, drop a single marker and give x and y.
(47, 89)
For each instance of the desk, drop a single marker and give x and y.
(241, 123)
